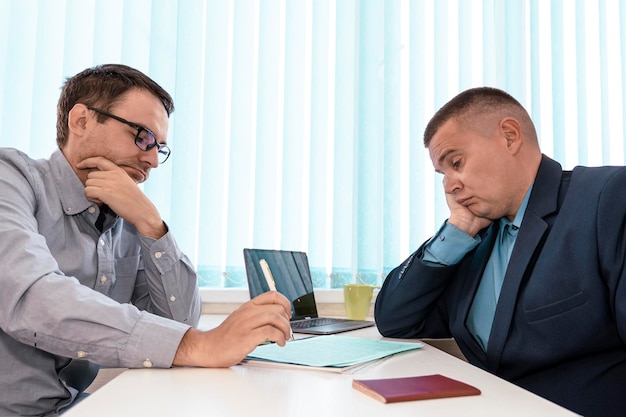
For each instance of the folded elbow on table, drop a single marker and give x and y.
(391, 330)
(388, 326)
(383, 319)
(385, 331)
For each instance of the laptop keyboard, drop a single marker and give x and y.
(319, 321)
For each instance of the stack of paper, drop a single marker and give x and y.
(334, 352)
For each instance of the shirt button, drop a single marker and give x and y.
(81, 354)
(101, 242)
(147, 363)
(92, 209)
(172, 298)
(158, 255)
(103, 279)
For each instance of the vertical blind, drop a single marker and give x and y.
(298, 123)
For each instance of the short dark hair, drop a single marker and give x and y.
(475, 100)
(103, 86)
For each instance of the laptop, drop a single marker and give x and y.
(292, 276)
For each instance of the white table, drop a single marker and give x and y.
(246, 390)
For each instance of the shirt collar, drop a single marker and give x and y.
(71, 189)
(519, 216)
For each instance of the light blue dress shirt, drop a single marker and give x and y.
(451, 244)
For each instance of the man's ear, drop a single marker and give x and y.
(512, 131)
(77, 119)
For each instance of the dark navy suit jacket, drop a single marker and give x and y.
(560, 324)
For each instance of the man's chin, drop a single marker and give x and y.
(136, 175)
(476, 211)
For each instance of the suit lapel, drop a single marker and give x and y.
(543, 201)
(525, 245)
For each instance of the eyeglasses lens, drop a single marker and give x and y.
(145, 140)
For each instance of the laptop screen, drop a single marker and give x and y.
(291, 274)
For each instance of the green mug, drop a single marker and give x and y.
(357, 298)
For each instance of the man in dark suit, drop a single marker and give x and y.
(528, 273)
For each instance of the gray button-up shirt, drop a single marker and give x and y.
(70, 292)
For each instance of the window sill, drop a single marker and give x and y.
(226, 300)
(241, 295)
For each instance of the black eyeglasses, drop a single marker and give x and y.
(144, 139)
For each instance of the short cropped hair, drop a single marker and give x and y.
(477, 103)
(103, 86)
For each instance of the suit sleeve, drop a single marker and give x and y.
(410, 301)
(407, 305)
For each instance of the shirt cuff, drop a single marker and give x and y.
(154, 342)
(448, 246)
(164, 253)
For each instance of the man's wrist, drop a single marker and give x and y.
(448, 246)
(154, 230)
(467, 226)
(185, 349)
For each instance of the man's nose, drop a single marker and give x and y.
(151, 156)
(451, 185)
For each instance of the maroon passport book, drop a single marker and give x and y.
(391, 390)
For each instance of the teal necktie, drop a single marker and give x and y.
(484, 305)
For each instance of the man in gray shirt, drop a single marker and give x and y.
(91, 274)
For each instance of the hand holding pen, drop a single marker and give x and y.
(269, 278)
(263, 318)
